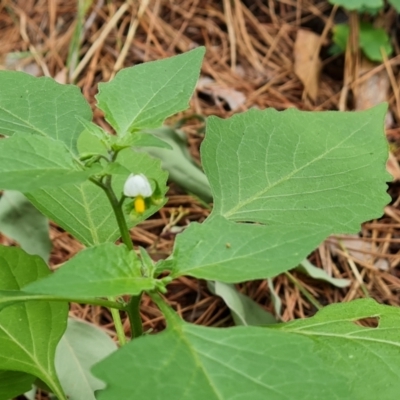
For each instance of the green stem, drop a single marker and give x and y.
(133, 306)
(133, 310)
(304, 291)
(119, 215)
(119, 328)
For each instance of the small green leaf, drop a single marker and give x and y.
(22, 222)
(82, 346)
(84, 210)
(31, 162)
(353, 349)
(282, 182)
(317, 273)
(143, 96)
(373, 41)
(189, 362)
(244, 310)
(30, 331)
(41, 106)
(103, 270)
(340, 36)
(13, 383)
(95, 130)
(358, 4)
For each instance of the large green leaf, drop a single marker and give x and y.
(33, 162)
(355, 350)
(194, 362)
(29, 332)
(282, 182)
(13, 383)
(143, 96)
(231, 252)
(84, 210)
(324, 357)
(103, 270)
(20, 221)
(41, 106)
(82, 346)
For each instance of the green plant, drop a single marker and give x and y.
(372, 40)
(281, 182)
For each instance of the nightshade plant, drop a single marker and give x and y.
(281, 182)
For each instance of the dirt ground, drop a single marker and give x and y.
(255, 50)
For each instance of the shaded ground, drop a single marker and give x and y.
(249, 63)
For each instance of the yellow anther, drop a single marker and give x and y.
(139, 205)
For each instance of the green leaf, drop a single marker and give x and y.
(353, 349)
(84, 210)
(276, 300)
(142, 139)
(22, 222)
(299, 160)
(29, 332)
(82, 346)
(32, 162)
(317, 273)
(230, 252)
(371, 40)
(244, 310)
(395, 4)
(194, 362)
(358, 4)
(103, 270)
(143, 96)
(41, 106)
(282, 182)
(340, 36)
(13, 383)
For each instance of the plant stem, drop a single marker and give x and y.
(304, 291)
(119, 328)
(119, 215)
(133, 310)
(132, 307)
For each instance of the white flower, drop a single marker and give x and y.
(137, 185)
